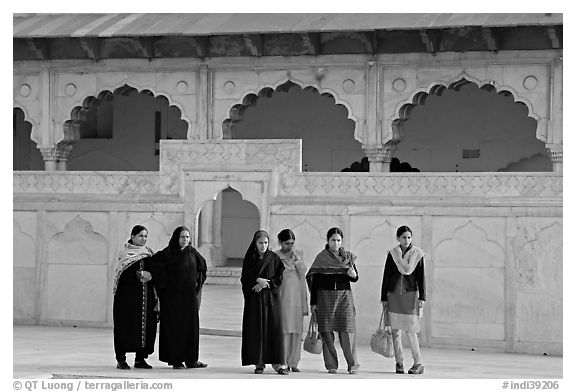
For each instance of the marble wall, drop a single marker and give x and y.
(493, 241)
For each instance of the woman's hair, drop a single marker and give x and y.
(331, 232)
(286, 235)
(136, 230)
(403, 229)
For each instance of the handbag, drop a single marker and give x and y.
(313, 341)
(381, 341)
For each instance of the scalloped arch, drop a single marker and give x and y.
(31, 121)
(249, 97)
(461, 227)
(404, 108)
(123, 88)
(215, 195)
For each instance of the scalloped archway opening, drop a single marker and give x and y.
(25, 154)
(121, 130)
(225, 228)
(293, 112)
(467, 128)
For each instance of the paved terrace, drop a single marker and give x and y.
(67, 352)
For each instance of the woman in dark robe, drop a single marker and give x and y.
(262, 335)
(134, 302)
(179, 272)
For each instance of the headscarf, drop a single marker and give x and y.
(327, 263)
(164, 260)
(406, 264)
(253, 265)
(129, 255)
(174, 243)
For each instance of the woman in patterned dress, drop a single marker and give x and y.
(331, 299)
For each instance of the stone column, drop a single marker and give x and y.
(217, 249)
(379, 157)
(55, 157)
(555, 151)
(210, 241)
(205, 233)
(64, 150)
(51, 156)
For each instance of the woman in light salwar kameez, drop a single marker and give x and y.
(403, 294)
(293, 297)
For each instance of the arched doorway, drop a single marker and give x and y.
(122, 130)
(290, 112)
(25, 154)
(469, 129)
(225, 228)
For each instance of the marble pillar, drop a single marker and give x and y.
(379, 157)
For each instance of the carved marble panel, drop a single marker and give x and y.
(469, 242)
(77, 292)
(539, 316)
(373, 236)
(24, 293)
(107, 183)
(468, 303)
(78, 242)
(535, 246)
(24, 238)
(423, 185)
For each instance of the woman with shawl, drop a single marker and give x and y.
(134, 302)
(331, 299)
(179, 272)
(403, 294)
(293, 297)
(262, 340)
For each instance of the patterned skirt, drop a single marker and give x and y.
(335, 311)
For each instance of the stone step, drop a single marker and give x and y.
(224, 275)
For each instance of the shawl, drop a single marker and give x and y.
(253, 265)
(327, 263)
(407, 263)
(128, 256)
(173, 255)
(290, 264)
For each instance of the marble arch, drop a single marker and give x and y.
(437, 88)
(91, 87)
(71, 129)
(29, 120)
(249, 97)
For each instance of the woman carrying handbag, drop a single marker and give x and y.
(381, 341)
(313, 341)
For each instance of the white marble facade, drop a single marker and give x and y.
(493, 241)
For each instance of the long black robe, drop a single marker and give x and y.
(179, 277)
(262, 335)
(133, 312)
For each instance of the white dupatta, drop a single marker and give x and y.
(407, 263)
